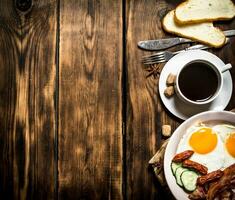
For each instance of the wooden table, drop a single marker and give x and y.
(79, 119)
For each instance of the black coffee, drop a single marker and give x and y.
(198, 81)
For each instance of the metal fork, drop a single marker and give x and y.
(164, 56)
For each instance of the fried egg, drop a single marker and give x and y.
(207, 146)
(227, 135)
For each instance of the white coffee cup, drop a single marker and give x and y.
(219, 76)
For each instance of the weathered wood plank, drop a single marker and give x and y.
(227, 54)
(145, 113)
(27, 111)
(90, 121)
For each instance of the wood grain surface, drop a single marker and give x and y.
(90, 100)
(145, 113)
(79, 117)
(227, 54)
(27, 111)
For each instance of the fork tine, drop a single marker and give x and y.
(151, 63)
(155, 54)
(159, 56)
(155, 61)
(153, 57)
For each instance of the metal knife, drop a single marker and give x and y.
(165, 43)
(164, 56)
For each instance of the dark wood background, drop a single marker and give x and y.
(78, 117)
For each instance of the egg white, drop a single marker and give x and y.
(224, 131)
(213, 160)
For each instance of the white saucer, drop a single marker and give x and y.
(183, 110)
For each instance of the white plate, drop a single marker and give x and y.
(181, 109)
(175, 139)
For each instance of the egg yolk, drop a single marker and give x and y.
(230, 144)
(203, 140)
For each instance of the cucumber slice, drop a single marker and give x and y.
(175, 166)
(189, 180)
(178, 173)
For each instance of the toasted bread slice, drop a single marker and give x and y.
(192, 11)
(203, 32)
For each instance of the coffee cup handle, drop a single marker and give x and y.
(225, 68)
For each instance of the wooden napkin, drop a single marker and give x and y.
(157, 163)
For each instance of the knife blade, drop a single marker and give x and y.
(229, 33)
(165, 43)
(164, 56)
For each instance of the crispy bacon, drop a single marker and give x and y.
(180, 157)
(212, 176)
(226, 182)
(226, 195)
(196, 166)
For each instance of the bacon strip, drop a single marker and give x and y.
(180, 157)
(212, 176)
(196, 166)
(226, 182)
